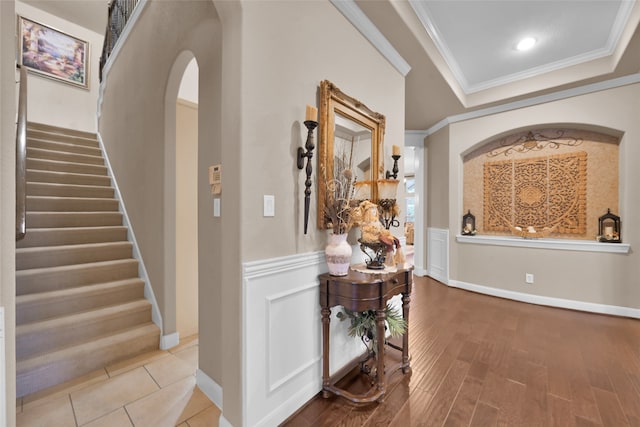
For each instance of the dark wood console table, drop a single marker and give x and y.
(361, 292)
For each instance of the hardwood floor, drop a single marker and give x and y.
(485, 361)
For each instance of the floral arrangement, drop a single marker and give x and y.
(339, 203)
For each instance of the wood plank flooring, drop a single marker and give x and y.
(484, 361)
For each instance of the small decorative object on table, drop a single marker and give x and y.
(468, 224)
(376, 242)
(339, 213)
(609, 228)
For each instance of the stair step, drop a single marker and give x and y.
(46, 305)
(57, 166)
(46, 370)
(53, 256)
(68, 190)
(72, 219)
(60, 332)
(70, 204)
(39, 153)
(56, 129)
(69, 276)
(71, 236)
(67, 178)
(63, 147)
(69, 139)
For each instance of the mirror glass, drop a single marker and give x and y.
(350, 134)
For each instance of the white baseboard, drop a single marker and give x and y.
(210, 388)
(222, 422)
(169, 341)
(420, 272)
(549, 301)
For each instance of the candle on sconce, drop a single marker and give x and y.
(395, 150)
(312, 113)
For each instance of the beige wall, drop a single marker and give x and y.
(289, 48)
(186, 218)
(437, 179)
(583, 276)
(7, 209)
(252, 99)
(132, 125)
(57, 103)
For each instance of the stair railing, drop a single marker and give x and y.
(119, 13)
(21, 159)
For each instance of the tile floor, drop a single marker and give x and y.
(156, 389)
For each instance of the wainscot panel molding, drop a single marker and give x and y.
(548, 301)
(438, 254)
(282, 336)
(560, 244)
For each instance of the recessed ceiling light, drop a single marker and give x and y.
(526, 43)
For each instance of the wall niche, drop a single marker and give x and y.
(558, 181)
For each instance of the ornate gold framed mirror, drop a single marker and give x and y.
(350, 135)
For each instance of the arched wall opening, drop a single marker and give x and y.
(181, 198)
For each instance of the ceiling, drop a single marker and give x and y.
(461, 53)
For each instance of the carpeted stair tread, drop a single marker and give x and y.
(68, 190)
(45, 305)
(52, 256)
(62, 137)
(46, 370)
(72, 235)
(42, 127)
(63, 147)
(67, 276)
(61, 156)
(61, 166)
(64, 331)
(70, 204)
(35, 175)
(72, 219)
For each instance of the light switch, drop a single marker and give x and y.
(269, 205)
(216, 207)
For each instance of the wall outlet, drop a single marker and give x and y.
(528, 278)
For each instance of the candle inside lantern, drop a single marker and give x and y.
(312, 113)
(395, 150)
(608, 232)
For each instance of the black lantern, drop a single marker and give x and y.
(609, 228)
(468, 224)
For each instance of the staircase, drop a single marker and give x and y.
(80, 304)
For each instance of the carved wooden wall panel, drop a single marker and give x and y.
(540, 192)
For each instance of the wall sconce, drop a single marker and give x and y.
(395, 154)
(311, 122)
(609, 228)
(468, 224)
(387, 190)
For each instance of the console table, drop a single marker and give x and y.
(361, 292)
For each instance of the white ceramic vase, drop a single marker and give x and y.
(338, 254)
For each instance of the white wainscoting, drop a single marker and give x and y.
(438, 254)
(283, 336)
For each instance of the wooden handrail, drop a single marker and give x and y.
(21, 159)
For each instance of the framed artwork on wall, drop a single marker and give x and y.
(52, 53)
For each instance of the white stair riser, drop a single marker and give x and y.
(42, 372)
(41, 257)
(45, 280)
(76, 300)
(47, 339)
(71, 236)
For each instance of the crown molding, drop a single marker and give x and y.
(358, 19)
